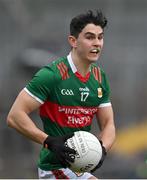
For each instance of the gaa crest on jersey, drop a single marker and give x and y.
(100, 92)
(67, 92)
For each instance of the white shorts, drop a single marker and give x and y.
(62, 174)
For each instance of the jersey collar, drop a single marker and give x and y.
(75, 71)
(70, 61)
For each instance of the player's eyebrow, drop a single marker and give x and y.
(93, 34)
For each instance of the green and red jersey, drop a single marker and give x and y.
(68, 100)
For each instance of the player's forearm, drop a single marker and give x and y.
(107, 136)
(23, 124)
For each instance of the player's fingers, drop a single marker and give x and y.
(69, 150)
(69, 158)
(64, 161)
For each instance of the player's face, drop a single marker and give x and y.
(90, 42)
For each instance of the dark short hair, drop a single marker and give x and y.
(80, 21)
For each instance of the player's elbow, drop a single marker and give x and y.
(10, 120)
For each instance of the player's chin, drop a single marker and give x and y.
(93, 58)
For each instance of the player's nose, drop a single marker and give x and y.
(96, 42)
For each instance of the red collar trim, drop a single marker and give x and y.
(81, 78)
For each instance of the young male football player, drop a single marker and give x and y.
(68, 93)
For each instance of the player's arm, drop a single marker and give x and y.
(105, 120)
(107, 135)
(18, 117)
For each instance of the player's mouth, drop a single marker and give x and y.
(95, 51)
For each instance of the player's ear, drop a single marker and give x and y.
(72, 41)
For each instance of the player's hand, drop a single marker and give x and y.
(104, 153)
(62, 152)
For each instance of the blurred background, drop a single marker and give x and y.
(33, 33)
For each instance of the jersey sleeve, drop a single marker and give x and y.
(106, 91)
(41, 84)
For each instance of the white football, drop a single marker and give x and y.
(89, 151)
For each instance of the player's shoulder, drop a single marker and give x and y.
(58, 68)
(53, 66)
(56, 65)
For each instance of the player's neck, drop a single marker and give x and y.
(82, 67)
